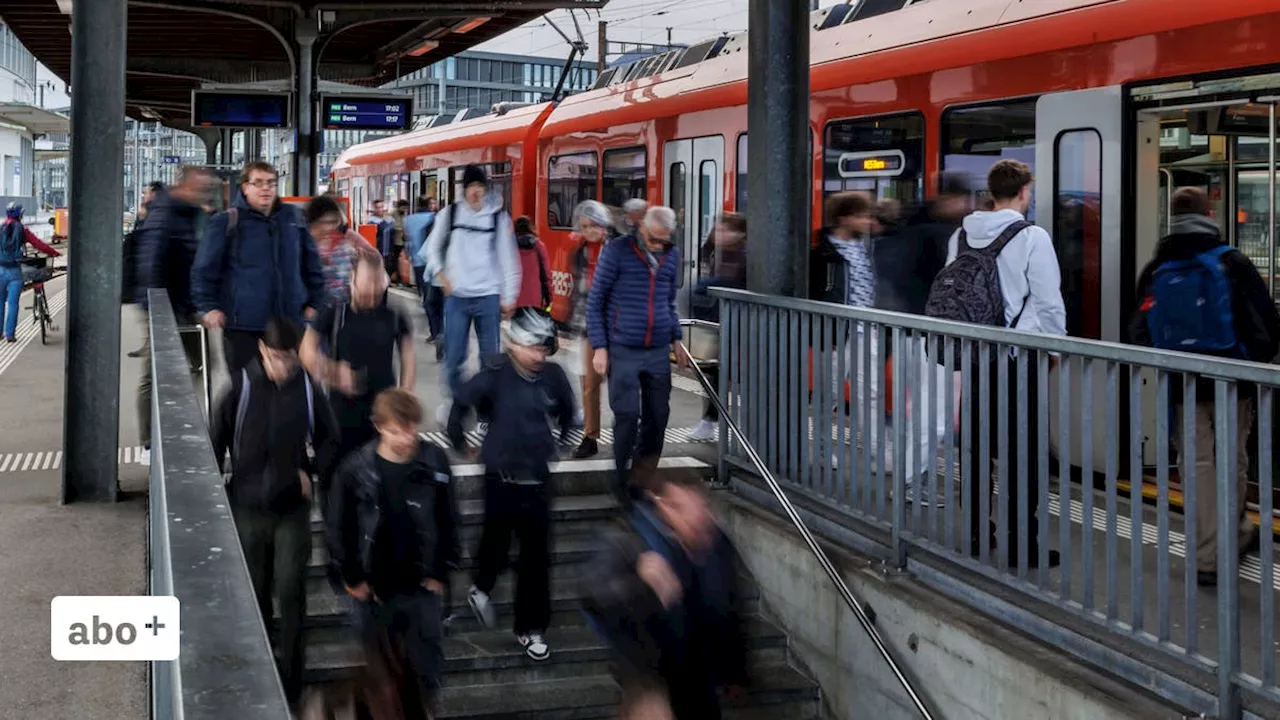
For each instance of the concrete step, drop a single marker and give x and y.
(493, 657)
(573, 477)
(778, 692)
(570, 510)
(567, 548)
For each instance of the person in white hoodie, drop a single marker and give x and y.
(1030, 283)
(472, 255)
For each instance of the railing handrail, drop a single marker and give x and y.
(1169, 360)
(832, 574)
(226, 667)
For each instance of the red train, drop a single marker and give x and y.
(1113, 102)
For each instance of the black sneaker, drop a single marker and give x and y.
(439, 352)
(588, 448)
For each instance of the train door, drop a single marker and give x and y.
(693, 172)
(1079, 140)
(1219, 135)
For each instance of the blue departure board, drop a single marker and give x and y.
(339, 112)
(239, 109)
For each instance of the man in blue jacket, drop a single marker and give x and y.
(631, 323)
(256, 261)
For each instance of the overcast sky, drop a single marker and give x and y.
(643, 21)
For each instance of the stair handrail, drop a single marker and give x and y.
(832, 574)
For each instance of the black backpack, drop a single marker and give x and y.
(448, 233)
(968, 289)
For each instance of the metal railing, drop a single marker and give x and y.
(1081, 429)
(226, 668)
(855, 606)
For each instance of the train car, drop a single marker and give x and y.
(429, 163)
(1112, 102)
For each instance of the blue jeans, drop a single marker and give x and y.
(640, 397)
(459, 314)
(10, 291)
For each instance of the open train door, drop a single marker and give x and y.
(1079, 154)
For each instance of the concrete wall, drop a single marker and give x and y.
(969, 667)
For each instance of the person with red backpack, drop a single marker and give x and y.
(1200, 295)
(13, 235)
(535, 280)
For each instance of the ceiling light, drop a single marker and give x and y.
(423, 49)
(467, 26)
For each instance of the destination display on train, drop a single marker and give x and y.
(366, 113)
(870, 164)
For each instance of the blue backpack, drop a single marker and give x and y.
(11, 237)
(1191, 306)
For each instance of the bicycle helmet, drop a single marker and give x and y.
(13, 211)
(594, 212)
(530, 328)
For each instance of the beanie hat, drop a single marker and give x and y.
(471, 175)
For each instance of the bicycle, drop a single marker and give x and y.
(35, 273)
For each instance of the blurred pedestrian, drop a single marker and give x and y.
(337, 246)
(417, 228)
(725, 258)
(594, 225)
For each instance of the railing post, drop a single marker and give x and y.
(728, 313)
(900, 439)
(1224, 421)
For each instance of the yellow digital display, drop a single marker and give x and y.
(888, 163)
(875, 164)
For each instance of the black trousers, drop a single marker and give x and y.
(239, 348)
(276, 550)
(401, 638)
(525, 511)
(971, 425)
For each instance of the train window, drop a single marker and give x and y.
(498, 175)
(883, 156)
(975, 138)
(570, 180)
(1077, 227)
(625, 173)
(740, 182)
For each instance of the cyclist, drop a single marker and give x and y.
(13, 235)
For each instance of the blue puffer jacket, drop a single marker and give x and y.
(631, 304)
(269, 268)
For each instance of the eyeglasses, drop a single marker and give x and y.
(265, 184)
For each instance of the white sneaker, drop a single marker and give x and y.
(144, 457)
(704, 431)
(535, 646)
(442, 414)
(482, 428)
(482, 608)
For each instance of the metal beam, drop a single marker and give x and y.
(304, 151)
(91, 416)
(779, 163)
(225, 71)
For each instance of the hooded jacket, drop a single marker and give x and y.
(1257, 323)
(166, 250)
(270, 447)
(1030, 279)
(535, 273)
(698, 638)
(481, 259)
(355, 515)
(267, 268)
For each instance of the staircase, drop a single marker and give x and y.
(487, 674)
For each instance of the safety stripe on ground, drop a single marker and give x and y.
(52, 459)
(28, 330)
(674, 436)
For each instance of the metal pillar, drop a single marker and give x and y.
(91, 414)
(137, 167)
(210, 150)
(224, 149)
(779, 164)
(304, 152)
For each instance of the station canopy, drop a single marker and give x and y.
(175, 46)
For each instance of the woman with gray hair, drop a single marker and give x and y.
(633, 212)
(594, 226)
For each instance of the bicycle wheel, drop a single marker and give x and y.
(45, 320)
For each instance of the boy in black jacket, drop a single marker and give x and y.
(267, 420)
(393, 538)
(517, 392)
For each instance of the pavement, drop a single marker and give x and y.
(48, 549)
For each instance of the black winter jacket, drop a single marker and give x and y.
(270, 446)
(166, 250)
(909, 258)
(355, 515)
(1257, 323)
